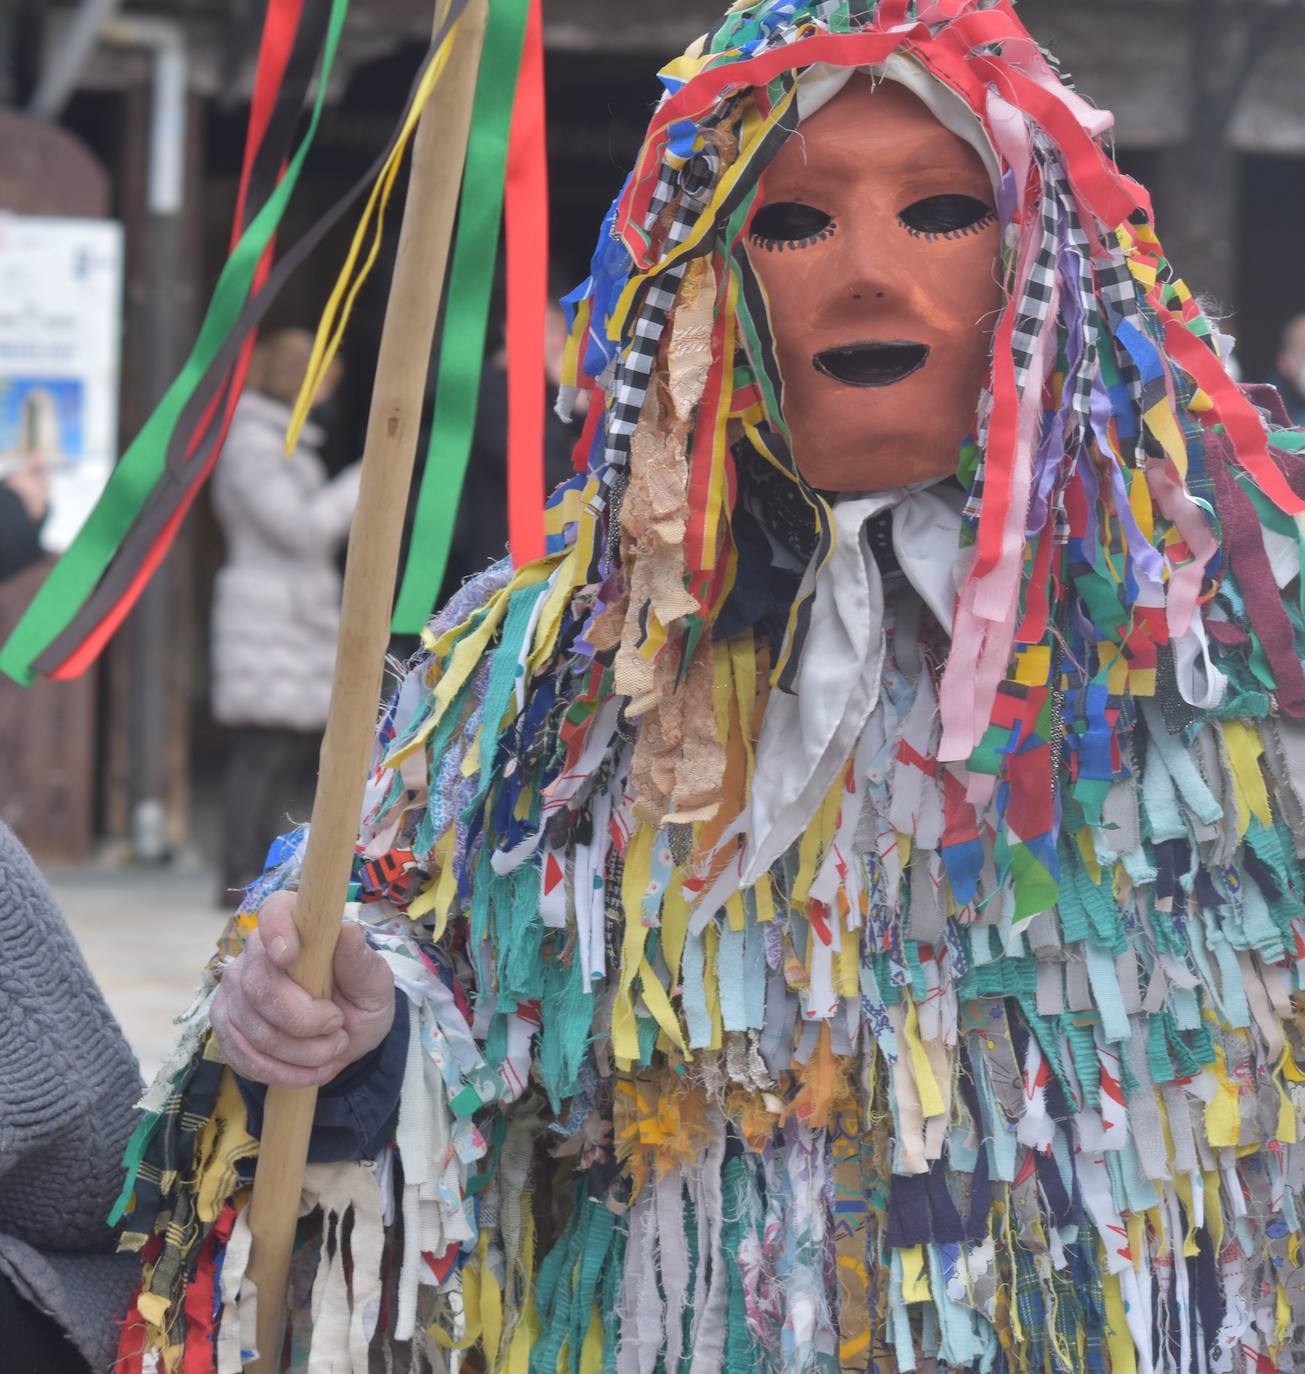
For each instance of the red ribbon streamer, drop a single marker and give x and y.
(526, 212)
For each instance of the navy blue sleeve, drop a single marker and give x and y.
(20, 535)
(355, 1109)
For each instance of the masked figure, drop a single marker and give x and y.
(847, 897)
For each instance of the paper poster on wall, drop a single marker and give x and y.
(60, 323)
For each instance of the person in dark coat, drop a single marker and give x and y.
(24, 504)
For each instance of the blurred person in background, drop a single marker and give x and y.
(68, 1082)
(24, 504)
(1289, 373)
(276, 602)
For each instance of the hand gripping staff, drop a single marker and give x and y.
(414, 300)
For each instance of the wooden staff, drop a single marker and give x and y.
(439, 150)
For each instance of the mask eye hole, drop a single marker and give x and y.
(789, 222)
(946, 215)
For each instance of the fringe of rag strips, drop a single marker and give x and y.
(872, 1128)
(1000, 1065)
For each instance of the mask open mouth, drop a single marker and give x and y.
(871, 364)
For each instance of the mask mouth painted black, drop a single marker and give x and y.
(871, 364)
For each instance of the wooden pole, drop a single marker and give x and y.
(439, 150)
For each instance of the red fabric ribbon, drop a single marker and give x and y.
(526, 211)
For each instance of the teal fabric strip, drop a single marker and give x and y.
(694, 997)
(754, 967)
(1106, 994)
(730, 962)
(505, 669)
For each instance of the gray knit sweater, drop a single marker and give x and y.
(68, 1083)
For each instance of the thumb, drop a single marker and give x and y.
(361, 975)
(277, 929)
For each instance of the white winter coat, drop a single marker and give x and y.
(276, 605)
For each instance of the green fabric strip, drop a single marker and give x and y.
(131, 1162)
(75, 575)
(466, 317)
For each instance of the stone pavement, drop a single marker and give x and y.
(146, 933)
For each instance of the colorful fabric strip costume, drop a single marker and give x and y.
(800, 990)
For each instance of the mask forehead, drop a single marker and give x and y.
(873, 139)
(818, 84)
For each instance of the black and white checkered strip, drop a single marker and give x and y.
(1032, 316)
(630, 386)
(692, 185)
(1116, 287)
(1118, 291)
(1034, 306)
(1076, 278)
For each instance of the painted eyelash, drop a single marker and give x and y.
(929, 235)
(773, 245)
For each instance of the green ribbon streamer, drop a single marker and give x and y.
(466, 316)
(78, 571)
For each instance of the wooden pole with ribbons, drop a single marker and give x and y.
(439, 150)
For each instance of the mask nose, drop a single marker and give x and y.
(864, 275)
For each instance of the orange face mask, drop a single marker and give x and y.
(876, 241)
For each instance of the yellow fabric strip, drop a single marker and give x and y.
(848, 965)
(915, 1275)
(735, 916)
(765, 899)
(1032, 665)
(1123, 1357)
(470, 764)
(587, 530)
(1244, 749)
(550, 618)
(657, 1002)
(1162, 424)
(1213, 1209)
(1183, 1183)
(591, 1353)
(1139, 498)
(1222, 1112)
(711, 978)
(335, 317)
(574, 349)
(717, 492)
(722, 688)
(675, 928)
(491, 1305)
(816, 839)
(931, 1098)
(743, 662)
(222, 1142)
(634, 884)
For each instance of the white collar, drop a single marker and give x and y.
(807, 735)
